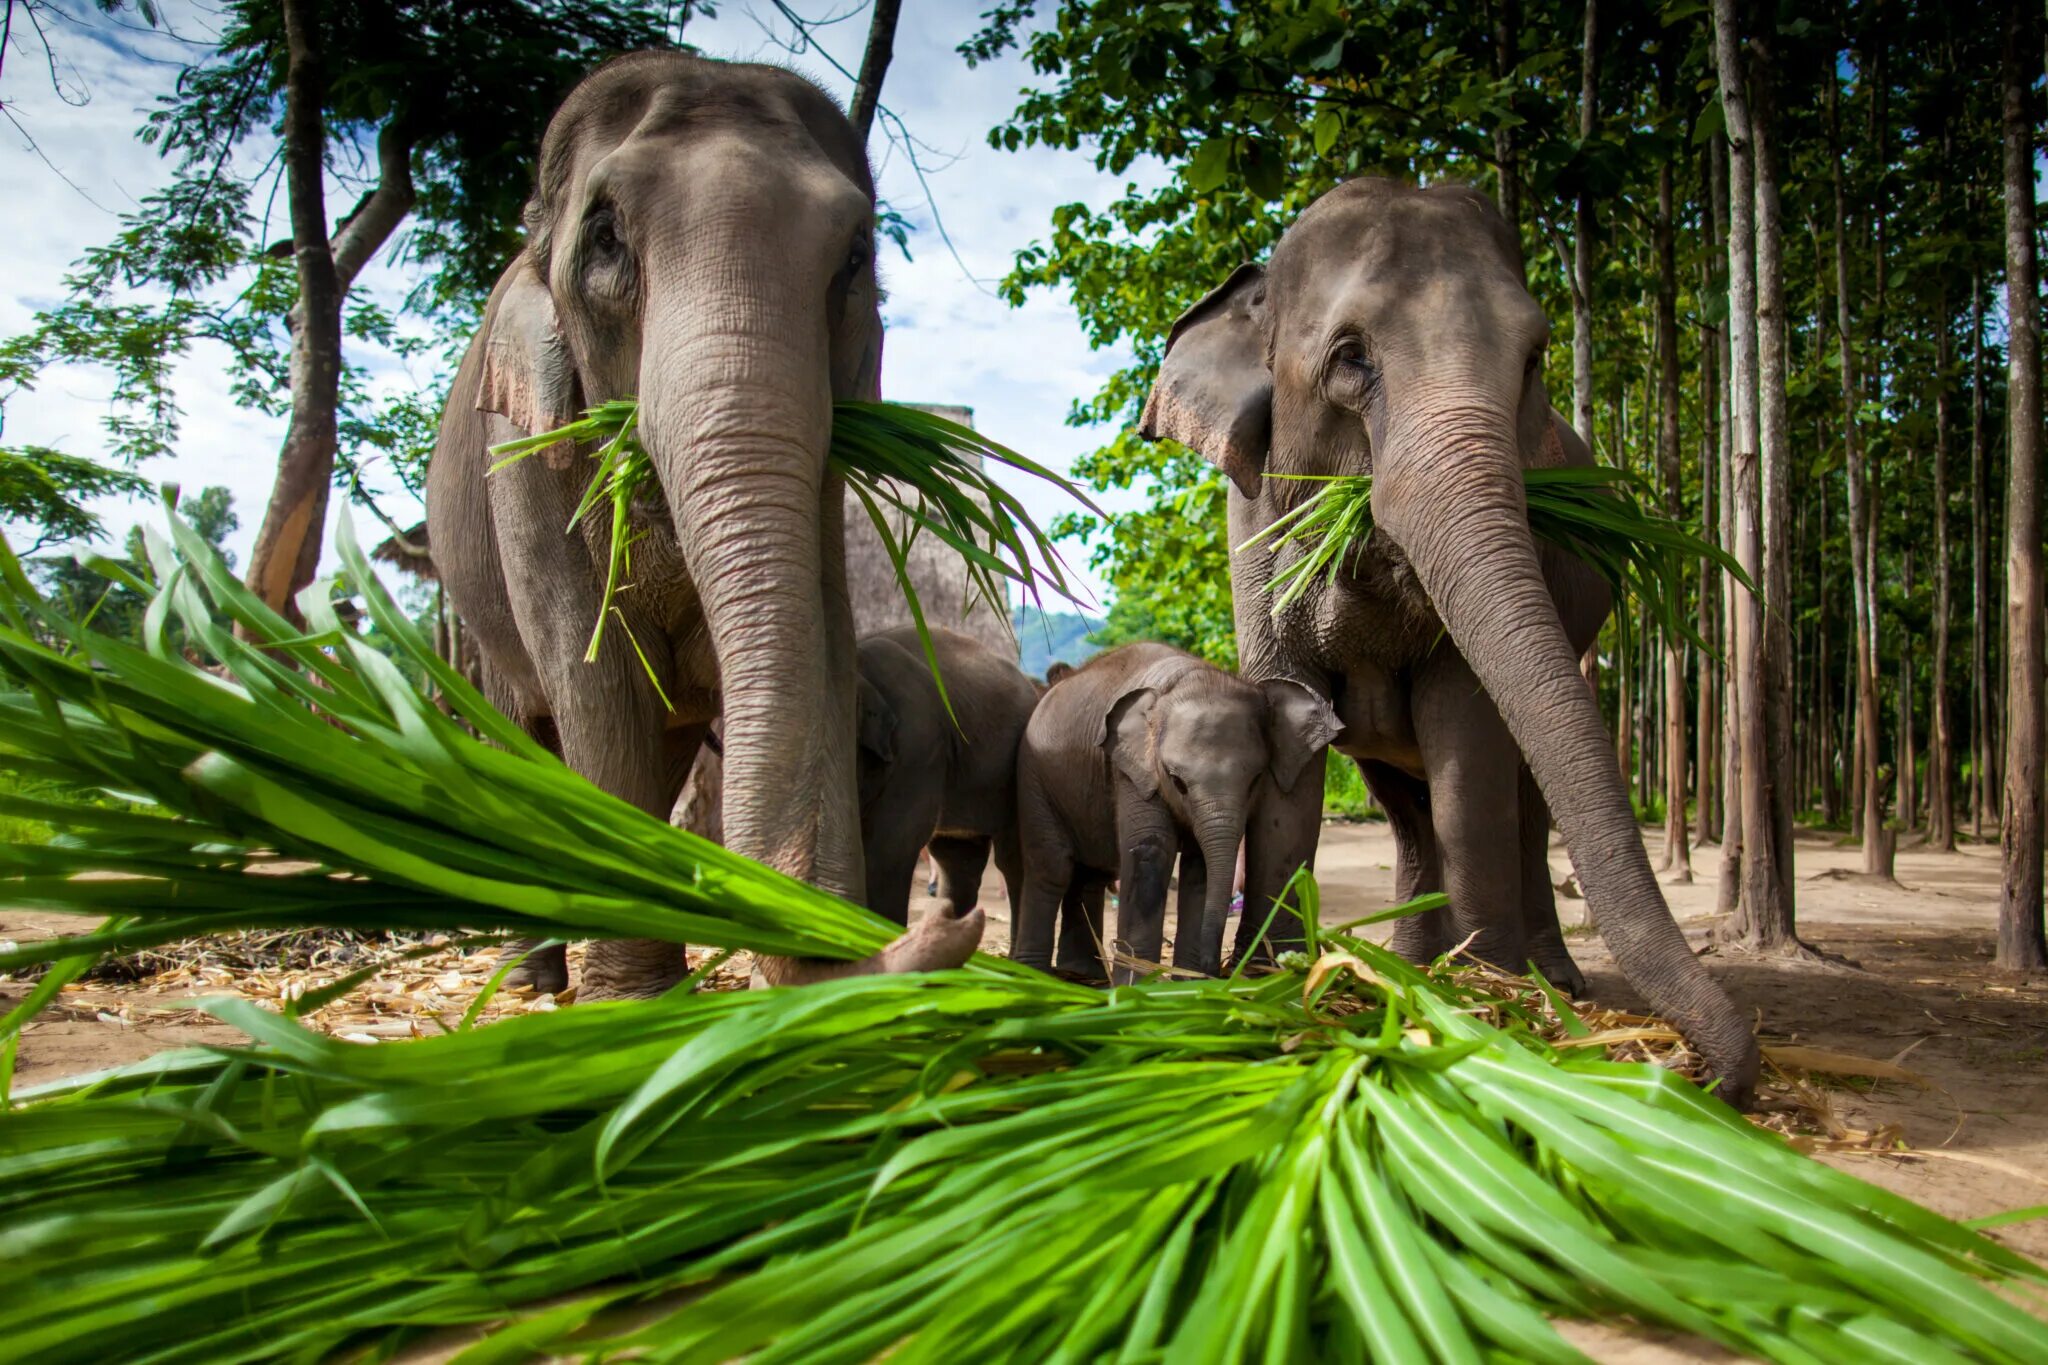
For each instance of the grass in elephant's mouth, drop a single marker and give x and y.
(1601, 514)
(928, 471)
(1347, 1157)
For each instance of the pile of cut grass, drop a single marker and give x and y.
(1347, 1158)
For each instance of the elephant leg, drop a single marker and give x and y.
(1048, 867)
(962, 861)
(1081, 936)
(1145, 829)
(624, 744)
(1417, 868)
(1473, 763)
(539, 965)
(1545, 939)
(1009, 855)
(1280, 839)
(899, 824)
(1188, 940)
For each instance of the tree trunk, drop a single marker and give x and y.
(1774, 444)
(1507, 41)
(287, 551)
(1870, 822)
(1704, 784)
(1746, 660)
(1906, 788)
(1582, 244)
(2022, 938)
(1941, 801)
(1677, 831)
(1729, 889)
(1764, 911)
(874, 65)
(288, 543)
(1980, 572)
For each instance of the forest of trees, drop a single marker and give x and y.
(1788, 253)
(1779, 247)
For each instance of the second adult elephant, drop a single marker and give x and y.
(700, 236)
(933, 776)
(1144, 754)
(1393, 334)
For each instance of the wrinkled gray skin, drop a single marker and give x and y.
(702, 236)
(1392, 334)
(1143, 754)
(925, 780)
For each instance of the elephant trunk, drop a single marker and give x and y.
(1448, 491)
(1218, 833)
(736, 396)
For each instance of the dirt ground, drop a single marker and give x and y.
(1922, 993)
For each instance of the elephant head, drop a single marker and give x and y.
(1393, 334)
(1202, 743)
(701, 235)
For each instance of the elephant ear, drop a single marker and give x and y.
(1214, 393)
(877, 724)
(529, 378)
(1126, 731)
(1299, 725)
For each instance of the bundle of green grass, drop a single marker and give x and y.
(1347, 1158)
(1596, 512)
(931, 472)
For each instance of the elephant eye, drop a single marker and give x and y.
(1352, 374)
(602, 233)
(1178, 785)
(856, 260)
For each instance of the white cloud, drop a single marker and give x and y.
(950, 340)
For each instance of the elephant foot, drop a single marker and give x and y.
(631, 969)
(939, 942)
(1560, 971)
(545, 971)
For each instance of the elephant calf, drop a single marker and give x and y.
(1140, 754)
(924, 780)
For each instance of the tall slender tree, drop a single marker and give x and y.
(1677, 831)
(1764, 910)
(1877, 843)
(1582, 234)
(2022, 942)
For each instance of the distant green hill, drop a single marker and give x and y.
(1044, 636)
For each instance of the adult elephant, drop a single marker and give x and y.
(701, 235)
(1393, 334)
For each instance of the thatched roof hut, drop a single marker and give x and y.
(936, 570)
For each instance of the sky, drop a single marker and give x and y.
(948, 338)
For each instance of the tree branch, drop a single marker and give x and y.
(379, 216)
(874, 65)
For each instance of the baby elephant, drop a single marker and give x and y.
(1140, 754)
(925, 781)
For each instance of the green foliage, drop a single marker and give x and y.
(895, 459)
(111, 605)
(1388, 1160)
(463, 89)
(1167, 562)
(1048, 637)
(1344, 792)
(1595, 512)
(48, 490)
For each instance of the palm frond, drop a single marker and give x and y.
(1347, 1158)
(928, 470)
(1599, 513)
